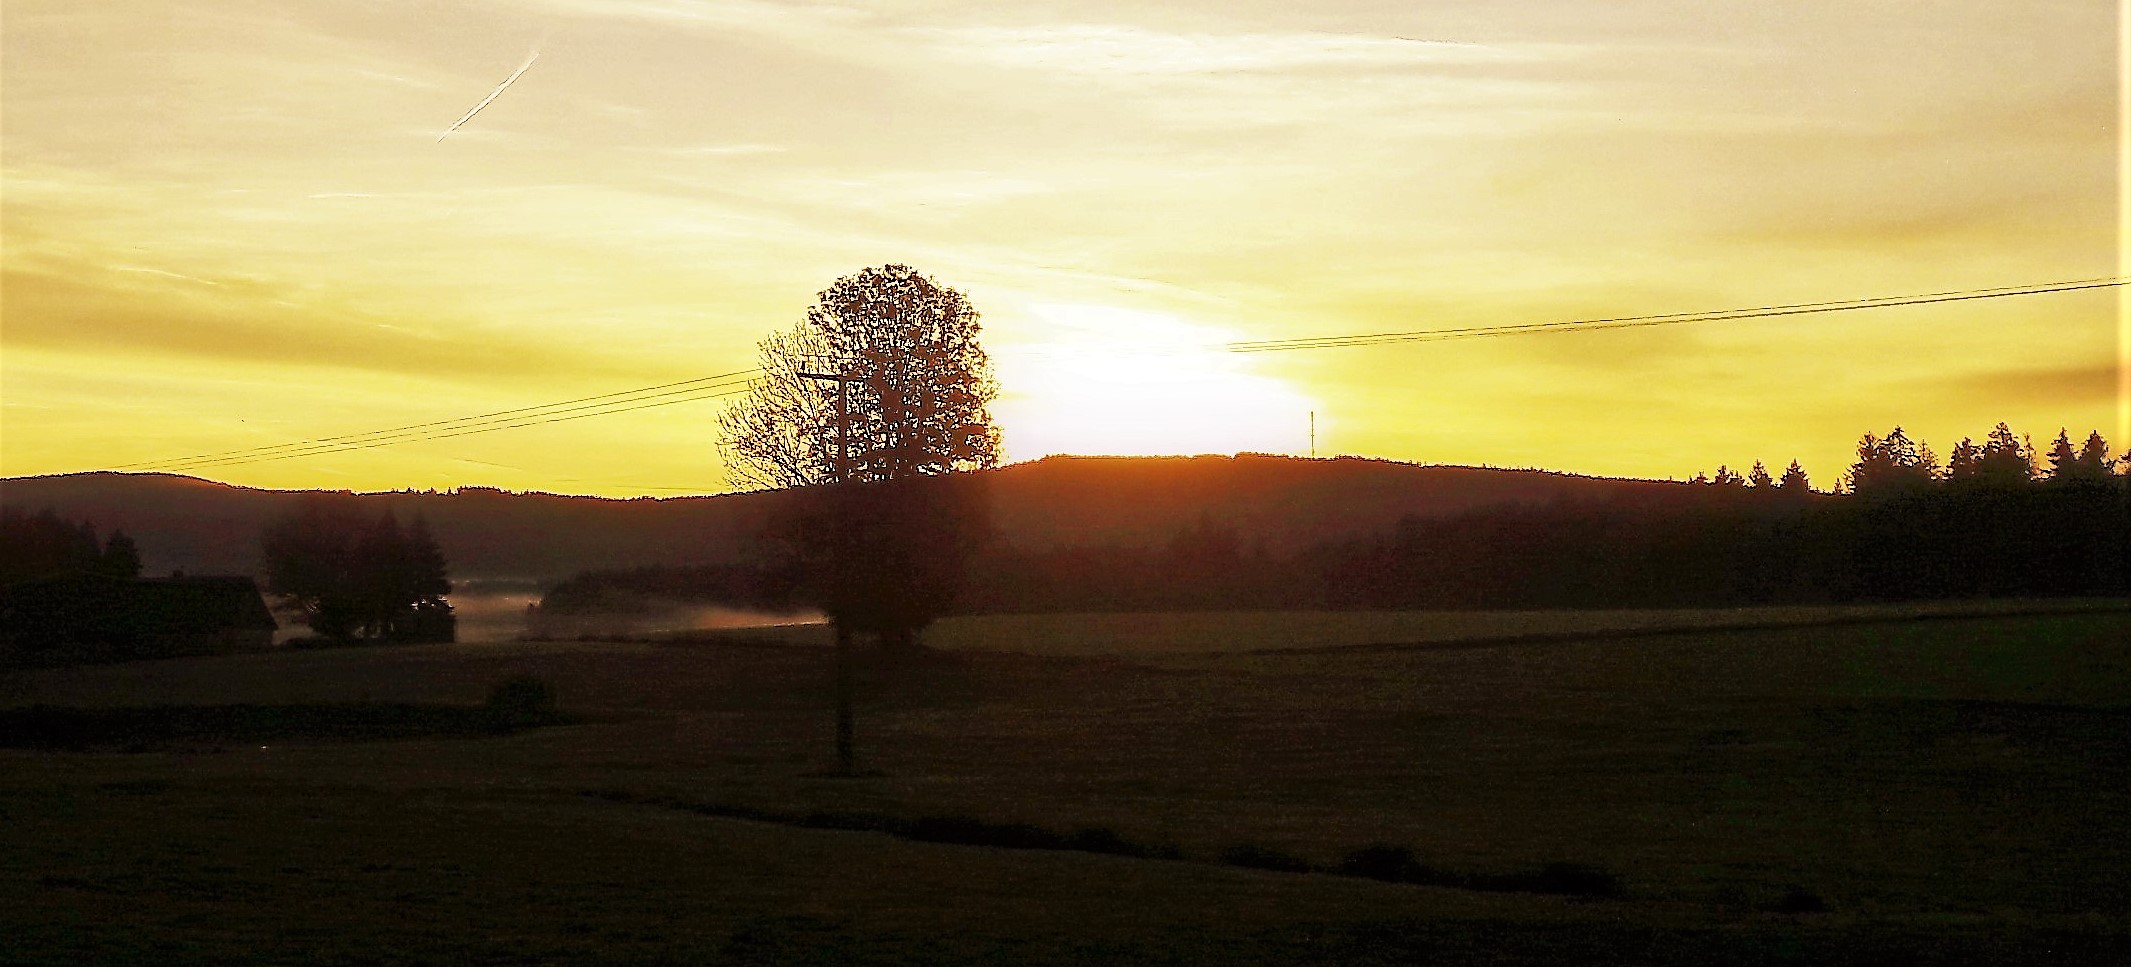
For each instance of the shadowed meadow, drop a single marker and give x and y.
(1939, 790)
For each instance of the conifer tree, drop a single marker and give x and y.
(1893, 463)
(2064, 461)
(1794, 480)
(1966, 462)
(2006, 460)
(352, 577)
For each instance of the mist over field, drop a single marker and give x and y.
(496, 610)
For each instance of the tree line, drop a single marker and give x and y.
(41, 545)
(354, 577)
(1995, 522)
(1898, 526)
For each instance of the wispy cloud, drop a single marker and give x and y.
(1123, 50)
(723, 150)
(762, 17)
(165, 273)
(82, 311)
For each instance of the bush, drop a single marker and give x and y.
(522, 699)
(1397, 864)
(968, 831)
(1392, 864)
(1257, 857)
(1103, 839)
(1565, 879)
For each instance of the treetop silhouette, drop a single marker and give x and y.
(882, 385)
(353, 577)
(918, 387)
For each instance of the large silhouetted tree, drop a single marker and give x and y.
(919, 388)
(917, 385)
(881, 390)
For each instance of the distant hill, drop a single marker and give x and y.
(201, 526)
(1282, 502)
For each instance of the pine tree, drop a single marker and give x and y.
(1794, 480)
(2007, 460)
(2064, 461)
(1966, 464)
(45, 546)
(1759, 477)
(379, 584)
(351, 577)
(2093, 462)
(427, 581)
(1892, 463)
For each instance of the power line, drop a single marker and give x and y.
(738, 381)
(422, 438)
(527, 410)
(1664, 319)
(623, 402)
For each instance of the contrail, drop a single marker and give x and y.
(468, 116)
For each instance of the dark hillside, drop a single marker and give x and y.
(1282, 503)
(1279, 503)
(206, 527)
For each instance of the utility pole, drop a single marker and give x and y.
(846, 757)
(1313, 434)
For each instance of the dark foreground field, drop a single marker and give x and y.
(1938, 791)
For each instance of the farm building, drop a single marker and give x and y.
(98, 618)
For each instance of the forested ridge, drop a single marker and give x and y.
(1999, 521)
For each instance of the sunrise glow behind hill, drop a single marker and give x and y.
(240, 224)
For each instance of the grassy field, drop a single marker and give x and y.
(1946, 790)
(1208, 632)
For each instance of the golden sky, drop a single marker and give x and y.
(232, 224)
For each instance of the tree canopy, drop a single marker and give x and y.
(885, 554)
(1892, 463)
(43, 546)
(355, 577)
(919, 388)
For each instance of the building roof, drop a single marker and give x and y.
(87, 607)
(177, 605)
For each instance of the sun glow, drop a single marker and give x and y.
(232, 224)
(1132, 382)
